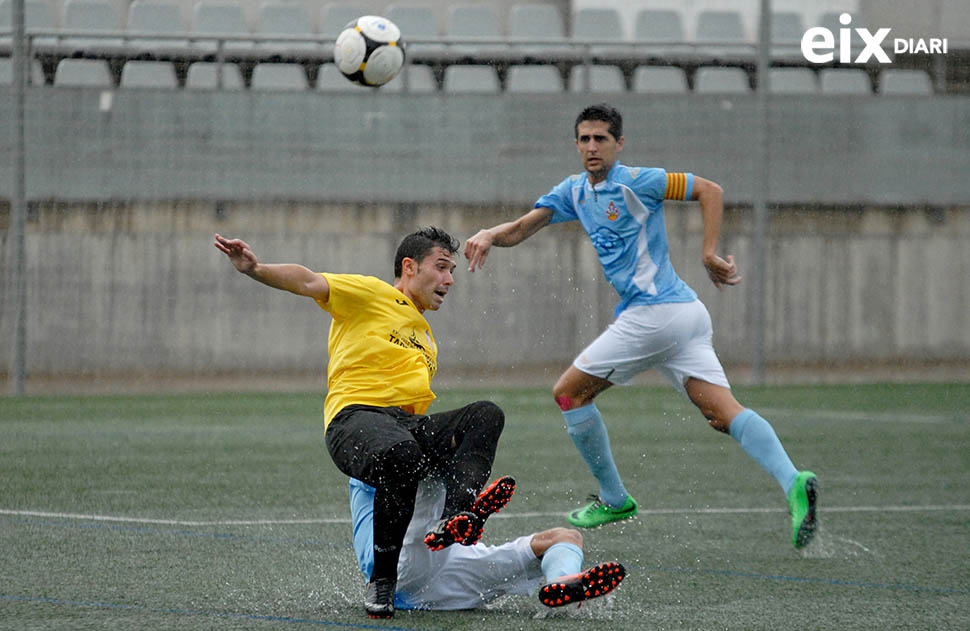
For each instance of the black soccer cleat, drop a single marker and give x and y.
(379, 598)
(596, 581)
(467, 527)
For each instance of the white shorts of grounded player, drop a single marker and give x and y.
(675, 338)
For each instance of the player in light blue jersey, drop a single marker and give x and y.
(659, 323)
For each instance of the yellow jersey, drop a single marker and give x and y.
(381, 349)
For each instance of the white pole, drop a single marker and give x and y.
(18, 203)
(761, 196)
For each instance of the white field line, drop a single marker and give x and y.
(343, 520)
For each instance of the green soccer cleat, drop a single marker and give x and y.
(597, 513)
(801, 507)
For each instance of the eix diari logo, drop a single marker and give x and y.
(819, 44)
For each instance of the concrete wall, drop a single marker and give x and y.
(138, 289)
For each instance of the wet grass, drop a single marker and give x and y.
(224, 511)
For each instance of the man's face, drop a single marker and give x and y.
(427, 282)
(598, 148)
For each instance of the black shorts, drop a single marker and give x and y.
(360, 434)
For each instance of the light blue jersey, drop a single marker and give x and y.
(624, 218)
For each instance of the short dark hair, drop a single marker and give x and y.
(419, 244)
(601, 112)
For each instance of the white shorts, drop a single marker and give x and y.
(675, 338)
(458, 577)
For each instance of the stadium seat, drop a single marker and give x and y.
(155, 16)
(660, 32)
(466, 79)
(277, 18)
(279, 77)
(35, 77)
(722, 33)
(416, 21)
(602, 79)
(330, 79)
(601, 24)
(91, 15)
(37, 16)
(792, 81)
(420, 80)
(533, 79)
(469, 22)
(902, 81)
(711, 80)
(335, 16)
(205, 75)
(536, 23)
(787, 29)
(148, 74)
(83, 72)
(225, 18)
(660, 80)
(844, 81)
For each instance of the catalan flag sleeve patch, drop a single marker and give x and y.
(676, 186)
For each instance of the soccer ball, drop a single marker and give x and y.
(369, 51)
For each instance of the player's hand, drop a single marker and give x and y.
(238, 251)
(476, 249)
(722, 272)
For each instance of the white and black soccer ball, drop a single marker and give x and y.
(369, 51)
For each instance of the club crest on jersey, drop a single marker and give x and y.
(612, 212)
(634, 172)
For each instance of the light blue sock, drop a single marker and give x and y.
(759, 441)
(561, 559)
(586, 429)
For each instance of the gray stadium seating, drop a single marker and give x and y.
(330, 79)
(83, 72)
(721, 27)
(469, 79)
(787, 28)
(37, 15)
(792, 81)
(660, 80)
(903, 81)
(711, 80)
(536, 23)
(844, 81)
(278, 18)
(148, 74)
(602, 79)
(91, 15)
(662, 32)
(205, 75)
(470, 21)
(279, 77)
(224, 18)
(335, 16)
(35, 77)
(592, 23)
(420, 80)
(533, 79)
(155, 16)
(415, 21)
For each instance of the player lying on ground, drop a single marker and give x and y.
(464, 577)
(660, 323)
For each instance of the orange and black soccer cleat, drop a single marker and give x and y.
(596, 581)
(467, 527)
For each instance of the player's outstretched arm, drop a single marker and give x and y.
(505, 235)
(289, 277)
(711, 197)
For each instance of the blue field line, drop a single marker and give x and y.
(807, 579)
(196, 612)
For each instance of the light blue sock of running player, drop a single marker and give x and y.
(588, 433)
(561, 559)
(758, 439)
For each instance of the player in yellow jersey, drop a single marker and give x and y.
(382, 359)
